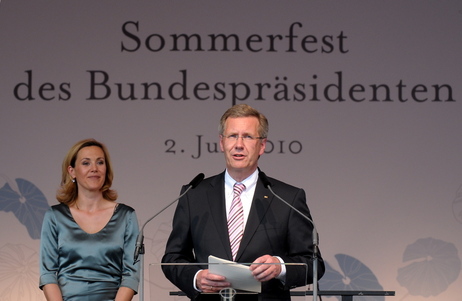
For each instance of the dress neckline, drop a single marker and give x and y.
(99, 231)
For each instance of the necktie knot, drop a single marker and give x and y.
(238, 188)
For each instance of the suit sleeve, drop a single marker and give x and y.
(179, 251)
(300, 248)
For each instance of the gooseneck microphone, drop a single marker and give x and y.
(267, 184)
(139, 247)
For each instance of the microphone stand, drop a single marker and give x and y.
(315, 236)
(139, 249)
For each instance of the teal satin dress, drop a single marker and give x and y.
(89, 267)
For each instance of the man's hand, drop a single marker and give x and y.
(210, 283)
(267, 270)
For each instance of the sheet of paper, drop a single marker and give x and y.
(238, 275)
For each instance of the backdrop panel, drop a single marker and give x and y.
(363, 98)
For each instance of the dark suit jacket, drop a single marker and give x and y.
(200, 229)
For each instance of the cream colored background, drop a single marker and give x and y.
(378, 175)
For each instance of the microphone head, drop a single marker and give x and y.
(194, 182)
(264, 179)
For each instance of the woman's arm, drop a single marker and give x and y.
(124, 294)
(49, 258)
(52, 292)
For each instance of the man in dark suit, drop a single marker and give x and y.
(262, 230)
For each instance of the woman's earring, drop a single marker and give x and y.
(73, 180)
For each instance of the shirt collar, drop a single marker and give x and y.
(249, 182)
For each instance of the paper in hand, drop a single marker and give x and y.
(238, 275)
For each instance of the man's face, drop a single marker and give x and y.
(242, 146)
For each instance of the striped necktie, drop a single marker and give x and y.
(236, 219)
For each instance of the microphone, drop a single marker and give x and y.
(196, 181)
(267, 184)
(139, 247)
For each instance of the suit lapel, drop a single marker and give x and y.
(260, 204)
(216, 200)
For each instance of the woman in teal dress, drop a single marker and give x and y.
(88, 240)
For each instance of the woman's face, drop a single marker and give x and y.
(90, 169)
